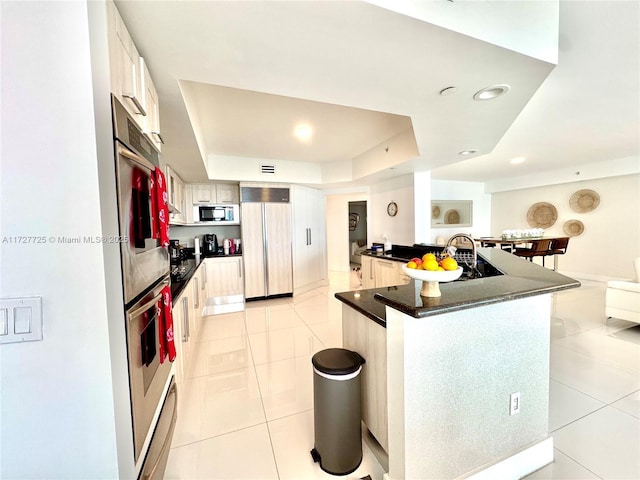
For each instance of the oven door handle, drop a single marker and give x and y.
(140, 161)
(154, 300)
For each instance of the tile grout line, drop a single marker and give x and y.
(264, 411)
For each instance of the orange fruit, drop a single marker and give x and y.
(440, 269)
(449, 263)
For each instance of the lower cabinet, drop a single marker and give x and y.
(187, 317)
(366, 269)
(380, 272)
(369, 339)
(181, 333)
(224, 276)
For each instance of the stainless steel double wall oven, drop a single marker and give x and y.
(145, 272)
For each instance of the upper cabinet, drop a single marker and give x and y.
(176, 197)
(215, 193)
(151, 127)
(130, 79)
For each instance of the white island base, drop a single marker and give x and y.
(450, 378)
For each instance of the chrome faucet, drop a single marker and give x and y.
(451, 250)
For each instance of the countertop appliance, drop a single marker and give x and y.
(210, 245)
(145, 273)
(175, 252)
(217, 214)
(266, 242)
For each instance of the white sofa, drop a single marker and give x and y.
(622, 298)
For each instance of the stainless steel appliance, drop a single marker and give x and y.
(175, 251)
(144, 261)
(266, 242)
(210, 244)
(218, 214)
(145, 272)
(147, 376)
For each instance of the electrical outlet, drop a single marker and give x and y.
(514, 403)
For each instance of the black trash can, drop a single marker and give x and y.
(337, 410)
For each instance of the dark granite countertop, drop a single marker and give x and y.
(192, 262)
(520, 279)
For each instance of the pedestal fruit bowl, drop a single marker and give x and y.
(432, 278)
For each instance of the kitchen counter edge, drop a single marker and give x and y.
(520, 279)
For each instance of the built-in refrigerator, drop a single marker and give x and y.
(266, 240)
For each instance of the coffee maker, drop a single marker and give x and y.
(174, 251)
(210, 244)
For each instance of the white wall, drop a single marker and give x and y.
(474, 191)
(57, 411)
(399, 229)
(611, 238)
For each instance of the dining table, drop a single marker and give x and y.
(508, 244)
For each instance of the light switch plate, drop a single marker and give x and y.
(23, 319)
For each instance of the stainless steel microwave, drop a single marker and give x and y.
(218, 214)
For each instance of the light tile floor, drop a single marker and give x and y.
(246, 408)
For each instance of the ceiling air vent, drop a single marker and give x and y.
(268, 169)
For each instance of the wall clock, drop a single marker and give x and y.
(392, 209)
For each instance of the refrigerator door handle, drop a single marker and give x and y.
(265, 249)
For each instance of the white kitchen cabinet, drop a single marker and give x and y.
(181, 334)
(127, 78)
(175, 197)
(379, 272)
(152, 119)
(203, 193)
(215, 193)
(227, 193)
(309, 232)
(366, 269)
(363, 335)
(225, 277)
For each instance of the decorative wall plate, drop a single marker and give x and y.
(451, 217)
(542, 215)
(354, 219)
(435, 211)
(584, 201)
(573, 228)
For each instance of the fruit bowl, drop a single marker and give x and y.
(430, 279)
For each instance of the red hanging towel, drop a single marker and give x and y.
(165, 326)
(160, 194)
(155, 224)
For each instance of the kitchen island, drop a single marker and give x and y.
(443, 374)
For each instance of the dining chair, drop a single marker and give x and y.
(558, 247)
(539, 248)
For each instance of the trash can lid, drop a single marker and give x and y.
(337, 361)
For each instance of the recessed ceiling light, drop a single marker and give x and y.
(303, 132)
(467, 152)
(447, 91)
(517, 160)
(489, 93)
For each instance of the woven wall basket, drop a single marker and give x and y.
(451, 217)
(584, 201)
(542, 215)
(573, 228)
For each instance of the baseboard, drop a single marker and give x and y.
(518, 465)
